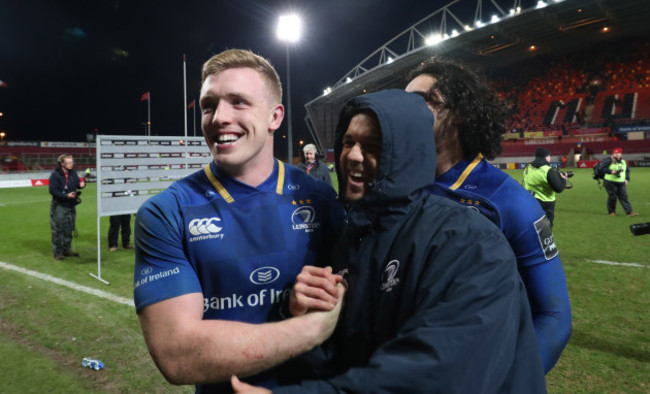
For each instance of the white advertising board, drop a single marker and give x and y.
(130, 169)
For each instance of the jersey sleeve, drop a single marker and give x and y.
(538, 261)
(162, 269)
(526, 228)
(549, 302)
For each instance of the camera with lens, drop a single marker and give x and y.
(567, 174)
(77, 199)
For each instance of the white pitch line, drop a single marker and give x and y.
(4, 204)
(617, 263)
(71, 285)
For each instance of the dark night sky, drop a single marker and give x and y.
(75, 65)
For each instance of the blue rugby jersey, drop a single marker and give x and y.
(479, 185)
(475, 183)
(240, 246)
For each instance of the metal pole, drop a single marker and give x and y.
(185, 96)
(149, 115)
(289, 130)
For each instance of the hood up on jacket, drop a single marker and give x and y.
(407, 162)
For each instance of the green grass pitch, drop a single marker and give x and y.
(46, 329)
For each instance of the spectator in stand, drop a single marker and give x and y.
(118, 222)
(617, 176)
(314, 167)
(543, 182)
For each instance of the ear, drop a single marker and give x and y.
(277, 114)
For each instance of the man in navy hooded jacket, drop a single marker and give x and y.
(434, 300)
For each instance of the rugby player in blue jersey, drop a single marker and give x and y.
(218, 251)
(468, 126)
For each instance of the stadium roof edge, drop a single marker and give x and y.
(558, 28)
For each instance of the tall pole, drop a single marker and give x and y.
(149, 116)
(289, 31)
(185, 96)
(289, 130)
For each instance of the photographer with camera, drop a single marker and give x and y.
(63, 186)
(617, 175)
(543, 182)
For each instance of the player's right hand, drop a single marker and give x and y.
(315, 290)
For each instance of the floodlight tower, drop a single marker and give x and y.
(289, 29)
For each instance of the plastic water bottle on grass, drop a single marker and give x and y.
(92, 363)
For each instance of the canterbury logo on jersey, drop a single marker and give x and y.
(205, 228)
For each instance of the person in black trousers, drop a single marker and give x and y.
(117, 221)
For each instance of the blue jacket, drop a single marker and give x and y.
(434, 302)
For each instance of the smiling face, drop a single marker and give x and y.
(359, 160)
(239, 115)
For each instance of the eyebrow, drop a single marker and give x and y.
(207, 99)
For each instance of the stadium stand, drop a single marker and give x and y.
(21, 157)
(573, 93)
(574, 75)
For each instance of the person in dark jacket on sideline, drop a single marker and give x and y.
(63, 186)
(434, 300)
(314, 167)
(543, 182)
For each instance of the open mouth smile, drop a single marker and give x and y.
(227, 139)
(356, 176)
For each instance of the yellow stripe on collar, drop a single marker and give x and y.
(224, 193)
(280, 185)
(467, 171)
(217, 185)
